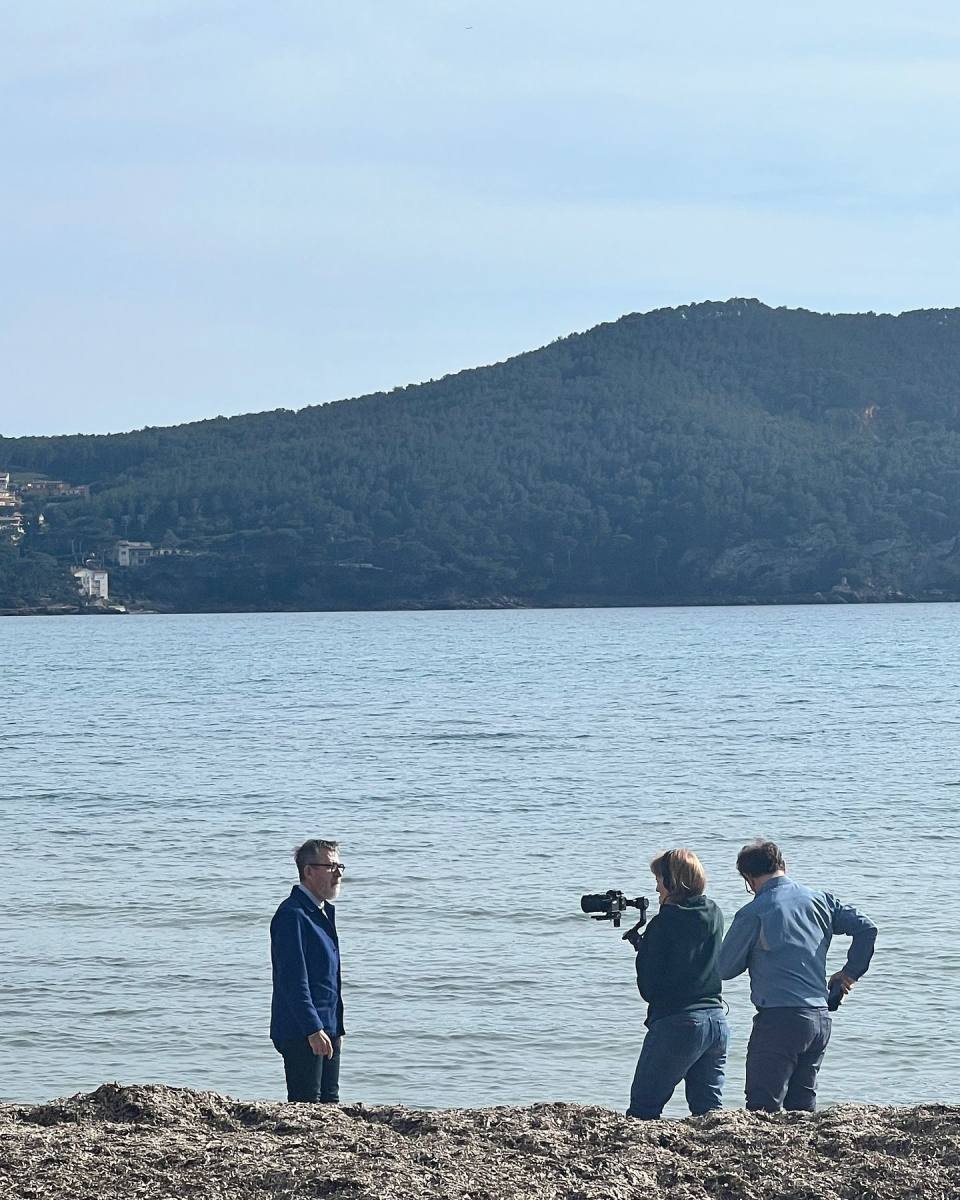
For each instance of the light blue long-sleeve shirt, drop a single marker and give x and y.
(782, 936)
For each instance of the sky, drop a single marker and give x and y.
(220, 206)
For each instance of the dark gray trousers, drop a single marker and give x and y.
(784, 1054)
(310, 1077)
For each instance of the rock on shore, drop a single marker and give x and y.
(159, 1143)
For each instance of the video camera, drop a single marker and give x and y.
(609, 906)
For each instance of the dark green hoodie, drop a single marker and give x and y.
(677, 960)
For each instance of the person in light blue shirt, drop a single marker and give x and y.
(782, 937)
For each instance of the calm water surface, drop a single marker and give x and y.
(481, 769)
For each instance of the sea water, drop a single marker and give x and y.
(481, 770)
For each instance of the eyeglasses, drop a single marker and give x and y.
(341, 867)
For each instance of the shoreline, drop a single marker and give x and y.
(500, 603)
(157, 1142)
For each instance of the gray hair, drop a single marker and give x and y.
(310, 849)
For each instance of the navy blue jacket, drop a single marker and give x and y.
(306, 970)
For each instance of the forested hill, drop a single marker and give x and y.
(714, 452)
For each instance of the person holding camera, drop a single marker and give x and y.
(782, 937)
(678, 976)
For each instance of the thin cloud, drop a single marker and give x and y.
(225, 206)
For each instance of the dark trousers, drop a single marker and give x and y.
(310, 1077)
(691, 1046)
(784, 1054)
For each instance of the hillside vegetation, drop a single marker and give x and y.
(722, 452)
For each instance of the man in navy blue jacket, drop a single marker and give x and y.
(306, 1017)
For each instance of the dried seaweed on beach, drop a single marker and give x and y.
(155, 1143)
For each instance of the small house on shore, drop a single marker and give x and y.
(92, 581)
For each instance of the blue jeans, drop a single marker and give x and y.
(784, 1054)
(691, 1046)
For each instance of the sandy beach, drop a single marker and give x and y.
(158, 1142)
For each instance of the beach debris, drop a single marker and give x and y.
(151, 1142)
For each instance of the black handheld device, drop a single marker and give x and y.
(609, 906)
(834, 996)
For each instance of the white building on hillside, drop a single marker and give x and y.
(132, 554)
(11, 519)
(92, 581)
